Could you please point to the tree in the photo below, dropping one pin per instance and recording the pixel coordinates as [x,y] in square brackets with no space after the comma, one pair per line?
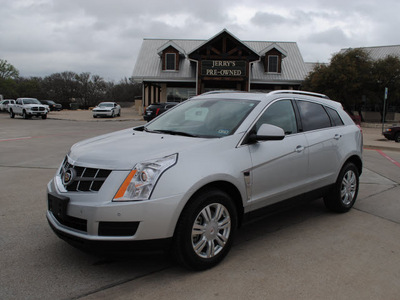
[126,90]
[7,70]
[385,73]
[31,87]
[346,79]
[61,87]
[8,74]
[92,89]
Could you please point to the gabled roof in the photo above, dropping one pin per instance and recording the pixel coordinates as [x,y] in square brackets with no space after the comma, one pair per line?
[224,31]
[148,65]
[171,43]
[273,46]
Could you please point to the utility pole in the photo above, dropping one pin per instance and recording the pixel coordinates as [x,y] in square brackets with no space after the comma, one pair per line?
[384,108]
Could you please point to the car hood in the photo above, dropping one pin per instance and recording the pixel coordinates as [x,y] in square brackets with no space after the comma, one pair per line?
[121,150]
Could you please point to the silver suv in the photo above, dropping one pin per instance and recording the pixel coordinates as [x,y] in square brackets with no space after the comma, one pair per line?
[186,180]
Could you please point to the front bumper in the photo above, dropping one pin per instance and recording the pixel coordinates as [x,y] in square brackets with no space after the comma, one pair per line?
[36,113]
[148,117]
[388,135]
[107,113]
[87,219]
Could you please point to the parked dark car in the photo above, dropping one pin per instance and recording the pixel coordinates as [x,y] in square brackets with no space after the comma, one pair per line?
[156,109]
[393,133]
[52,105]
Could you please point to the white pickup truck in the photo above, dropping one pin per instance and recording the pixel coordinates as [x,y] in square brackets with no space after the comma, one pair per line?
[27,108]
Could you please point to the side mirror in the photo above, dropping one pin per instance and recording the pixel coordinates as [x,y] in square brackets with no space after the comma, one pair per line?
[267,132]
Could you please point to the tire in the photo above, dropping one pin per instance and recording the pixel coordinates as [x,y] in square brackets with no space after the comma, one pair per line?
[44,117]
[112,114]
[344,194]
[12,115]
[24,115]
[397,137]
[205,230]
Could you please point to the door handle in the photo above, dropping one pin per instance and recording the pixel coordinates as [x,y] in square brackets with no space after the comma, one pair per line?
[299,148]
[337,136]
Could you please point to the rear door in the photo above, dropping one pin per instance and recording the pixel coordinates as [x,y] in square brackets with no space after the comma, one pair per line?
[324,140]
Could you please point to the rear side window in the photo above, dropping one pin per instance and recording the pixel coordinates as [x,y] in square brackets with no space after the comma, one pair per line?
[313,116]
[335,116]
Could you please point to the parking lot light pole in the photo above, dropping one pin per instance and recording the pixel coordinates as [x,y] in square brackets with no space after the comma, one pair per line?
[384,108]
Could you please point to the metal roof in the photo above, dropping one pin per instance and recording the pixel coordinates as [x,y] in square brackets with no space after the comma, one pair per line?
[379,52]
[148,65]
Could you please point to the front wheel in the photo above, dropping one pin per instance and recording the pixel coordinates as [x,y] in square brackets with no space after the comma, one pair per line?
[44,117]
[12,115]
[397,137]
[205,230]
[344,194]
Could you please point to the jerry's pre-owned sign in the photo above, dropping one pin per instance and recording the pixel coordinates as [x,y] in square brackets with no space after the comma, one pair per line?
[223,68]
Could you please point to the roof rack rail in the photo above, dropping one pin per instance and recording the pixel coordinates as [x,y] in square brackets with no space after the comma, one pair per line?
[299,93]
[222,91]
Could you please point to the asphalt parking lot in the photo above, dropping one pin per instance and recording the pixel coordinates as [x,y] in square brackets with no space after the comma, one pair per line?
[302,253]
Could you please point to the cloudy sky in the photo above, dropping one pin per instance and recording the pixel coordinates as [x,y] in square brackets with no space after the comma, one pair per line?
[103,37]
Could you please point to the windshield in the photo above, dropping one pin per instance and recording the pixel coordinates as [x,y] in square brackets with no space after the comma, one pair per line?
[106,105]
[203,118]
[31,101]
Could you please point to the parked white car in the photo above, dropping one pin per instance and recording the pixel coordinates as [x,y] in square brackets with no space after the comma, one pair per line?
[186,180]
[5,103]
[107,109]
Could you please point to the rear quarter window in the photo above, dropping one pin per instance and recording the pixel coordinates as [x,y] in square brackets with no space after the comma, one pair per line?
[337,120]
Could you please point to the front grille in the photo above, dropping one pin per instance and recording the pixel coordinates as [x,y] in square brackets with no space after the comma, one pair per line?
[38,108]
[118,228]
[84,179]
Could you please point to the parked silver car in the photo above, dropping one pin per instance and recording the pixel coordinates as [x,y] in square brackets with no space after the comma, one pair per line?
[186,180]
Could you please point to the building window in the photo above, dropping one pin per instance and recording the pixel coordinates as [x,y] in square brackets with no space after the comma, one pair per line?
[170,61]
[176,94]
[272,63]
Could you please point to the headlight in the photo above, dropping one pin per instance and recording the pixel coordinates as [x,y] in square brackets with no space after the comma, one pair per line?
[140,182]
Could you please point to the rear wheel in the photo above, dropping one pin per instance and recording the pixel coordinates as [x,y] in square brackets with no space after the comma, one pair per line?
[205,230]
[344,194]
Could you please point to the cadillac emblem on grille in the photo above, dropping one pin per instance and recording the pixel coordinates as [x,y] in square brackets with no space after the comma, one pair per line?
[68,176]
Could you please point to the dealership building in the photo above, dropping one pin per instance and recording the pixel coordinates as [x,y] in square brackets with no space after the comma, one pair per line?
[177,69]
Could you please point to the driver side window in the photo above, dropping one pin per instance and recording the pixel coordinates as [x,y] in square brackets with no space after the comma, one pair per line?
[281,114]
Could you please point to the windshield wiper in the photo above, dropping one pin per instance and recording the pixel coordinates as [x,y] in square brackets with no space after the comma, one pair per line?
[171,132]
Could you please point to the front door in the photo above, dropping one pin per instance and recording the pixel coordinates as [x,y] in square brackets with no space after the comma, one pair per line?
[279,167]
